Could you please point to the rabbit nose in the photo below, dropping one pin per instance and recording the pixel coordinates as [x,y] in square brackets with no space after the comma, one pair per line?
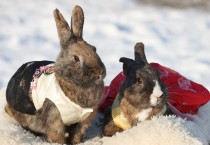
[103,73]
[159,97]
[100,77]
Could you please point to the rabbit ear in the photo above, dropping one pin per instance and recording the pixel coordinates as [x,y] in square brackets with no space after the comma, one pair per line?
[77,21]
[126,63]
[126,60]
[139,53]
[63,29]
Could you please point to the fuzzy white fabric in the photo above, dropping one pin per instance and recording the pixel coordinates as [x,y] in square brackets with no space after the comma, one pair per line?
[164,130]
[159,131]
[48,87]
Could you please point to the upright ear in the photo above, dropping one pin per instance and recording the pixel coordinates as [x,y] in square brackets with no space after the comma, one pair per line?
[126,63]
[77,21]
[63,29]
[139,53]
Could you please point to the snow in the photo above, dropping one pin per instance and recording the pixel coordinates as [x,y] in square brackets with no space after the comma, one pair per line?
[164,130]
[177,38]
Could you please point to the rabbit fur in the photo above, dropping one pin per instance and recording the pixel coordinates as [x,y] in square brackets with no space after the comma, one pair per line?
[141,96]
[78,71]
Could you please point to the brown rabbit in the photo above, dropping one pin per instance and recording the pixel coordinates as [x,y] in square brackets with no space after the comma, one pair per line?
[141,96]
[59,100]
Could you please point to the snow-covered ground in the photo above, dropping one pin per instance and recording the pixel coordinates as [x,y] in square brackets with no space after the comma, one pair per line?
[175,38]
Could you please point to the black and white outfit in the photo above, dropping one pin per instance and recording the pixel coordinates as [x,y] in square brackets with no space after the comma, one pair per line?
[33,83]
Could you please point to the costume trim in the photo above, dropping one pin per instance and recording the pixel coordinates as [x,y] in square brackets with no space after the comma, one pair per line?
[45,85]
[122,122]
[118,116]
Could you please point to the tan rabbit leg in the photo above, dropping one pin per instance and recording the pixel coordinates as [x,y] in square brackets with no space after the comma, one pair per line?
[76,134]
[41,122]
[110,129]
[56,134]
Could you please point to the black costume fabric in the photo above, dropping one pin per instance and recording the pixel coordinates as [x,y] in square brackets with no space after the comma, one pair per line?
[18,88]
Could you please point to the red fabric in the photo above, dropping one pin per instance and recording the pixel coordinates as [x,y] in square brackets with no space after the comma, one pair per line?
[111,91]
[184,94]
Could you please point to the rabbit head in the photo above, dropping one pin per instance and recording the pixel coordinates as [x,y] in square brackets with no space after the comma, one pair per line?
[142,87]
[78,61]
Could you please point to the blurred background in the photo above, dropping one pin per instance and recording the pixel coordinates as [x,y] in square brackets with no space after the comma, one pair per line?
[180,4]
[176,33]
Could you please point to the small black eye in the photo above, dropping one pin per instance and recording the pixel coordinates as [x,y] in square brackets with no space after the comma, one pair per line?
[139,80]
[76,58]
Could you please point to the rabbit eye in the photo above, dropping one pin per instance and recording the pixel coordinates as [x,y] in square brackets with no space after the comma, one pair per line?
[76,58]
[139,80]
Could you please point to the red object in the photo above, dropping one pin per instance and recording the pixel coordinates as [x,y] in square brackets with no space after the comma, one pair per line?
[111,91]
[185,95]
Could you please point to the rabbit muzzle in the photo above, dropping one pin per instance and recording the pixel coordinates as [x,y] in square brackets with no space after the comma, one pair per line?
[156,96]
[100,77]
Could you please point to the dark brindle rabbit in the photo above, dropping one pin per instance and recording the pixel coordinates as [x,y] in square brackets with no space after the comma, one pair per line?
[141,96]
[59,100]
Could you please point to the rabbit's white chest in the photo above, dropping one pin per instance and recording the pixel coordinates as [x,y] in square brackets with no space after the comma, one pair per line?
[47,87]
[144,114]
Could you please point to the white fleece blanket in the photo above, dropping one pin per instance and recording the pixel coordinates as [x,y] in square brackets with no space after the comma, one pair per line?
[164,130]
